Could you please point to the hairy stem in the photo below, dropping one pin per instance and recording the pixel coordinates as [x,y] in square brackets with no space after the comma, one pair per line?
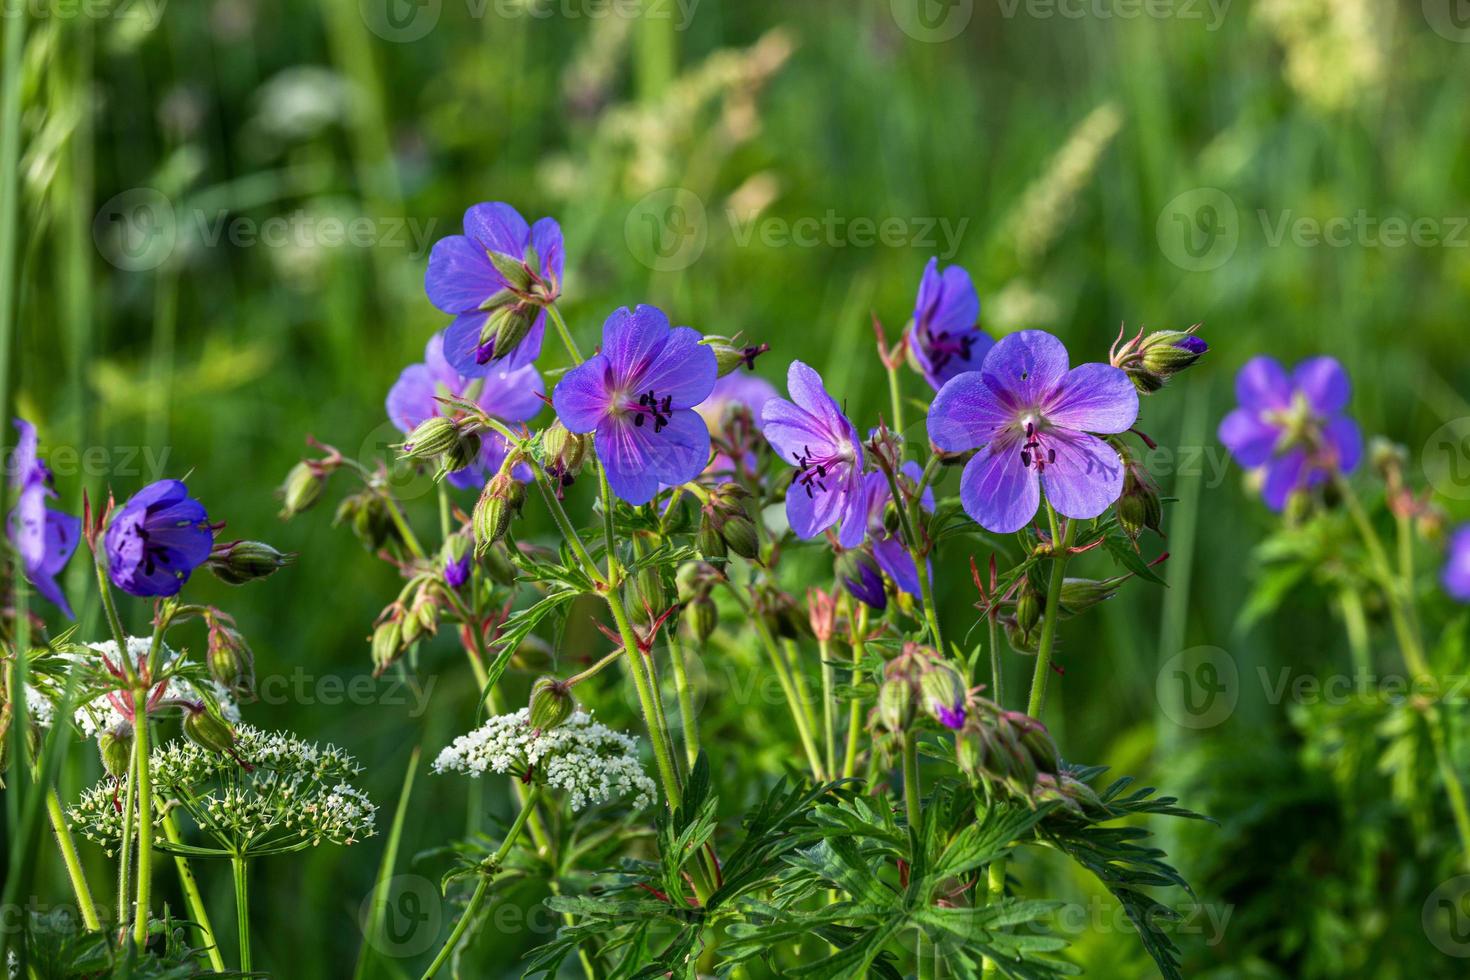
[73,864]
[686,697]
[145,814]
[192,897]
[829,705]
[855,705]
[240,870]
[1052,614]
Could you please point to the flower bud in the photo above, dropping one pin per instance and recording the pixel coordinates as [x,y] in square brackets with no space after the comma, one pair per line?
[302,488]
[943,691]
[565,451]
[704,617]
[551,703]
[1036,740]
[431,438]
[456,558]
[1021,641]
[115,746]
[499,501]
[1151,361]
[709,542]
[822,613]
[1028,607]
[506,327]
[244,561]
[366,513]
[511,269]
[208,731]
[387,643]
[230,659]
[695,578]
[1139,506]
[464,452]
[896,703]
[730,355]
[1081,594]
[739,535]
[862,577]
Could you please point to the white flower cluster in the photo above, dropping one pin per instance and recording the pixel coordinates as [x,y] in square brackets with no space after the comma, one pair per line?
[296,793]
[100,714]
[588,761]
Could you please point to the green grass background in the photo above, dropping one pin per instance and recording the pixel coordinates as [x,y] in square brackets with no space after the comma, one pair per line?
[224,357]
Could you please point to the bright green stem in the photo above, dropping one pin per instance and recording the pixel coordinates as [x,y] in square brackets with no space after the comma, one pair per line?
[662,755]
[855,706]
[686,697]
[995,890]
[911,790]
[791,657]
[405,530]
[916,551]
[482,887]
[145,814]
[242,908]
[895,399]
[798,713]
[109,606]
[73,864]
[829,705]
[1052,615]
[125,853]
[192,897]
[1355,620]
[565,334]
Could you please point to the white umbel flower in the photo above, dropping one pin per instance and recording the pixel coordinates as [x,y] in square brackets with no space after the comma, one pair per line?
[585,759]
[295,794]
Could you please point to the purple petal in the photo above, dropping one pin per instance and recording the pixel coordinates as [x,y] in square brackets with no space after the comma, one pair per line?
[868,587]
[806,388]
[684,370]
[1023,368]
[1094,398]
[1456,577]
[63,532]
[1262,384]
[497,227]
[1250,440]
[966,414]
[997,491]
[462,346]
[809,514]
[1284,475]
[1345,440]
[582,398]
[550,251]
[631,339]
[27,525]
[460,276]
[1324,383]
[1086,476]
[947,301]
[512,396]
[24,466]
[639,460]
[897,563]
[854,527]
[411,399]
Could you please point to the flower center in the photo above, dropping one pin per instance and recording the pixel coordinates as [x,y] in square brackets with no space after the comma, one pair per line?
[650,406]
[1035,454]
[944,347]
[812,470]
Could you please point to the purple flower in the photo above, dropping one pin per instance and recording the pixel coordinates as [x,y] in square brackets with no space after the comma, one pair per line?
[888,547]
[45,538]
[157,539]
[812,431]
[497,279]
[1456,576]
[951,717]
[1292,426]
[638,394]
[457,572]
[748,392]
[1030,416]
[945,339]
[862,577]
[508,395]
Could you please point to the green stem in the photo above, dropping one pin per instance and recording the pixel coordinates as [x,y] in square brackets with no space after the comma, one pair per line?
[73,864]
[995,890]
[916,552]
[798,713]
[482,887]
[895,399]
[1355,621]
[912,797]
[855,706]
[242,908]
[125,852]
[829,705]
[145,815]
[114,622]
[192,896]
[405,531]
[686,698]
[565,334]
[1052,615]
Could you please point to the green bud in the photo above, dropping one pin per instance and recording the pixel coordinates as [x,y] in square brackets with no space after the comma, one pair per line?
[1028,608]
[366,513]
[709,541]
[943,690]
[465,451]
[230,659]
[115,745]
[512,270]
[694,578]
[1139,507]
[1022,641]
[301,490]
[431,438]
[896,704]
[1081,594]
[650,585]
[704,617]
[387,644]
[244,561]
[506,327]
[551,703]
[731,356]
[499,502]
[739,534]
[1036,740]
[1167,352]
[208,731]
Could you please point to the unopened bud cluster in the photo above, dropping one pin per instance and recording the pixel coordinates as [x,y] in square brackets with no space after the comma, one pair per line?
[920,683]
[1150,361]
